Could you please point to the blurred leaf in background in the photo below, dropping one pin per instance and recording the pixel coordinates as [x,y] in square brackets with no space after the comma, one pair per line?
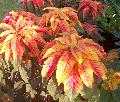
[7,6]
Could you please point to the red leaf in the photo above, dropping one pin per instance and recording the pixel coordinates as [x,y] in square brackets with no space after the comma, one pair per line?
[86,73]
[91,29]
[17,49]
[47,46]
[81,6]
[99,69]
[85,12]
[95,8]
[50,65]
[65,26]
[32,45]
[63,67]
[73,82]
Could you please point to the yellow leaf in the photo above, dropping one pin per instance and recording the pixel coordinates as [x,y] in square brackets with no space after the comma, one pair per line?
[77,54]
[92,54]
[8,38]
[6,33]
[7,54]
[6,43]
[53,49]
[63,68]
[6,26]
[73,40]
[3,48]
[46,66]
[86,73]
[14,47]
[20,22]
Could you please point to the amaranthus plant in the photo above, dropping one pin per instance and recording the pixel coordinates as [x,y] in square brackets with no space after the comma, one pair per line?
[49,59]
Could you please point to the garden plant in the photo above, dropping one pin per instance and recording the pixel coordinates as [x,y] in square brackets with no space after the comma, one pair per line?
[60,51]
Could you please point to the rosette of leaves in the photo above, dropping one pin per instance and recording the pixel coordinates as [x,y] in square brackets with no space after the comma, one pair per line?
[75,60]
[94,7]
[36,3]
[58,20]
[19,34]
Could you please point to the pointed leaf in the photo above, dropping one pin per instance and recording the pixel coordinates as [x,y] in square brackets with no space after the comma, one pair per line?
[50,65]
[77,54]
[86,73]
[85,12]
[8,38]
[32,45]
[53,49]
[6,26]
[73,83]
[99,69]
[52,89]
[63,68]
[6,33]
[17,49]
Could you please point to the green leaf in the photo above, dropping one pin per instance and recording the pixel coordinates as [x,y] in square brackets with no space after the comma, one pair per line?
[71,95]
[106,96]
[114,65]
[52,89]
[116,33]
[10,92]
[1,75]
[90,93]
[64,98]
[30,90]
[78,98]
[1,93]
[116,94]
[24,75]
[80,29]
[95,95]
[16,66]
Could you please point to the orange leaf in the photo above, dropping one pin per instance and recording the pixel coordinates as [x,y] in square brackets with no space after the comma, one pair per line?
[99,69]
[73,82]
[50,65]
[55,48]
[32,45]
[86,73]
[77,54]
[17,49]
[63,68]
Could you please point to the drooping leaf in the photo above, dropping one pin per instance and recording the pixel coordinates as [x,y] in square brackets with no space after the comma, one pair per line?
[52,89]
[105,96]
[86,73]
[90,93]
[20,31]
[63,67]
[75,63]
[17,49]
[59,20]
[78,55]
[99,69]
[73,83]
[96,8]
[50,65]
